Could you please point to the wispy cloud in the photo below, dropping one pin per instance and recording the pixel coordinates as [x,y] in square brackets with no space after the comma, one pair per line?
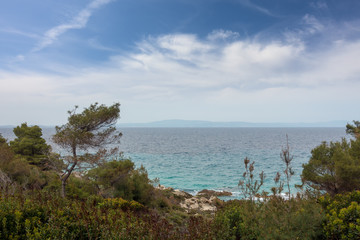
[319,5]
[249,4]
[21,33]
[77,22]
[308,26]
[94,43]
[313,24]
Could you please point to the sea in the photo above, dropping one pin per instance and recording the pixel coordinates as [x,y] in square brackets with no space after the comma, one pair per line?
[192,159]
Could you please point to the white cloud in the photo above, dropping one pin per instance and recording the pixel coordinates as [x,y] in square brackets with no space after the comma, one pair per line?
[181,46]
[77,22]
[221,34]
[184,76]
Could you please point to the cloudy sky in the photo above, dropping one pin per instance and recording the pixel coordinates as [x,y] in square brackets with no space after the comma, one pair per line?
[216,60]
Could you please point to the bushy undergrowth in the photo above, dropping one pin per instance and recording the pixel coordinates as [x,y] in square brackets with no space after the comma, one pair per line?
[42,216]
[342,215]
[30,215]
[274,218]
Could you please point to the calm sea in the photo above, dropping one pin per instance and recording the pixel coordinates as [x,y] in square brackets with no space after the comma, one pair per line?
[193,159]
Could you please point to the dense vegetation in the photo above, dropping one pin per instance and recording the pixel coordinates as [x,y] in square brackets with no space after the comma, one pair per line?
[94,193]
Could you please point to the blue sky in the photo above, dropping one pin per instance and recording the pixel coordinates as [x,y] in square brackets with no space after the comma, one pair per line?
[216,60]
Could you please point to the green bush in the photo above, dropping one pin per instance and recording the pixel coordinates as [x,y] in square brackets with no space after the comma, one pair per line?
[41,215]
[342,215]
[119,178]
[114,203]
[274,218]
[20,217]
[297,218]
[238,220]
[79,188]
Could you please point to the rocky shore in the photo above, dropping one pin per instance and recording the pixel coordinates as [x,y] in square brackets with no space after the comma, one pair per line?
[204,201]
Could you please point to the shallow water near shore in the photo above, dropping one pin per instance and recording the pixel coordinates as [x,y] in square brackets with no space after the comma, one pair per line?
[192,159]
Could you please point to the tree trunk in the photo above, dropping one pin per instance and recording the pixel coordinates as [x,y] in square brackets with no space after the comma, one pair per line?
[63,185]
[65,178]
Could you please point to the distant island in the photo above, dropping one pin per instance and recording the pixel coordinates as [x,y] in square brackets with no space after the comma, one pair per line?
[209,124]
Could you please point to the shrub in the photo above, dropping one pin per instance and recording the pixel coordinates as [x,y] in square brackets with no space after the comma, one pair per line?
[238,220]
[342,215]
[114,203]
[274,218]
[119,178]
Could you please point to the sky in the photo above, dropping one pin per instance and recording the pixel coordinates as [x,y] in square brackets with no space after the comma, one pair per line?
[215,60]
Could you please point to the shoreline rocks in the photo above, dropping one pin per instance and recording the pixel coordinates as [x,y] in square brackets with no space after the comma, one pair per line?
[206,192]
[200,204]
[179,193]
[204,201]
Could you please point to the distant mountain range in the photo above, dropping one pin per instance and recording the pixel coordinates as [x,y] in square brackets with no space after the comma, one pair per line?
[209,124]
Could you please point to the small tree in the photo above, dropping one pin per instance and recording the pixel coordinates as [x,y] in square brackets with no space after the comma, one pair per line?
[86,138]
[287,158]
[29,141]
[248,185]
[334,167]
[31,145]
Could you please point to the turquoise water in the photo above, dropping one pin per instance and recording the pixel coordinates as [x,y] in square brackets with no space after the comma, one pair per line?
[193,159]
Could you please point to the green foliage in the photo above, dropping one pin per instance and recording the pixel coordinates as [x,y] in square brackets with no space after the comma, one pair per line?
[6,153]
[43,216]
[275,218]
[114,203]
[19,218]
[342,215]
[237,221]
[29,141]
[90,132]
[353,130]
[91,128]
[31,171]
[28,176]
[2,140]
[79,187]
[334,167]
[119,178]
[17,171]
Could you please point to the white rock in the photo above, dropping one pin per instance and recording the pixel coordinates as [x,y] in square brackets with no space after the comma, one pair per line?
[177,192]
[201,204]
